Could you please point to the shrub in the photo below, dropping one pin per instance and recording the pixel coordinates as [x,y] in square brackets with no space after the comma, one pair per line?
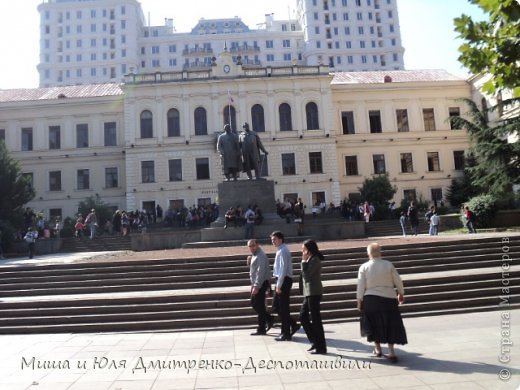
[484,207]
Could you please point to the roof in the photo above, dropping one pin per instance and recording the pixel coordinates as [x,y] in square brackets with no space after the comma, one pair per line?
[73,91]
[394,76]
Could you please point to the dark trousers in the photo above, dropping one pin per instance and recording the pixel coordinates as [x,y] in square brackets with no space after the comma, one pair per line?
[310,318]
[281,304]
[31,249]
[258,304]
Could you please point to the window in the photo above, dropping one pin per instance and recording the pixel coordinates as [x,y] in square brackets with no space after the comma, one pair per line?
[146,124]
[110,133]
[29,177]
[83,179]
[55,214]
[269,44]
[175,169]
[402,120]
[229,116]
[201,125]
[82,135]
[406,163]
[351,166]
[458,159]
[374,117]
[27,139]
[409,195]
[454,112]
[429,119]
[147,171]
[285,117]
[379,164]
[315,162]
[347,122]
[2,134]
[436,194]
[311,112]
[174,126]
[54,137]
[257,117]
[433,161]
[111,179]
[288,164]
[55,181]
[202,168]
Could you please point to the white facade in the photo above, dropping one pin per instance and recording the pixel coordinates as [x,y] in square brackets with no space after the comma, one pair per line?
[100,41]
[163,153]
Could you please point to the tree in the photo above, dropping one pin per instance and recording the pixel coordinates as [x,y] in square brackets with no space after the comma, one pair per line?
[462,189]
[379,192]
[493,47]
[17,189]
[497,162]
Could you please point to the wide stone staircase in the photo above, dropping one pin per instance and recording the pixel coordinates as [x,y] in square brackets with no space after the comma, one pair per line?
[208,293]
[98,244]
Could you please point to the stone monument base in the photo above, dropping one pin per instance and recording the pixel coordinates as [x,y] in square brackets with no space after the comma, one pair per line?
[243,193]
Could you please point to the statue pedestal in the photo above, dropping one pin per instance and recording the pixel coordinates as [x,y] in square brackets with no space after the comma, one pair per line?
[246,192]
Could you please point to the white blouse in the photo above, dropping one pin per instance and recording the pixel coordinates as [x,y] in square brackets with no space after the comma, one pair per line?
[378,277]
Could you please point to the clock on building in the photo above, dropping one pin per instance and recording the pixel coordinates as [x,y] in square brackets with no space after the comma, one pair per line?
[227,68]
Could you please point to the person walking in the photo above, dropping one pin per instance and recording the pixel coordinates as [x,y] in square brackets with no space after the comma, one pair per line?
[30,238]
[469,217]
[434,224]
[250,216]
[312,290]
[377,302]
[92,223]
[402,221]
[413,217]
[283,274]
[260,283]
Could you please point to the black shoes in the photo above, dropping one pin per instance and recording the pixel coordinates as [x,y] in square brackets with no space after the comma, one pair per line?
[257,333]
[295,329]
[283,338]
[319,352]
[312,348]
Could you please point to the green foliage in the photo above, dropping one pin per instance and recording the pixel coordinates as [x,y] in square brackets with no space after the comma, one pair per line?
[485,208]
[377,190]
[492,46]
[462,189]
[7,231]
[16,189]
[67,229]
[497,162]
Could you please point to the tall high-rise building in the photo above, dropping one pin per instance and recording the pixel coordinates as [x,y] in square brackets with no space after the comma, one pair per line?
[96,41]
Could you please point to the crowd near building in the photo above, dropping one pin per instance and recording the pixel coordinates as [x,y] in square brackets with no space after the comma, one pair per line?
[130,114]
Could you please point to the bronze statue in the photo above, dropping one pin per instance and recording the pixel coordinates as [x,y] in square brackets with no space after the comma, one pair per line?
[229,150]
[250,147]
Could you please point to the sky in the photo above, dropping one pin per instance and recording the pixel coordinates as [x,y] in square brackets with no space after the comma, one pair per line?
[426,30]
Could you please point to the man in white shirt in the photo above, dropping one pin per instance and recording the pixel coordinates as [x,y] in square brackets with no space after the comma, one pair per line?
[283,274]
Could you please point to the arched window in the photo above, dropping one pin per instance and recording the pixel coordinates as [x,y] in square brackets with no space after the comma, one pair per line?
[201,123]
[311,111]
[174,125]
[285,117]
[230,117]
[257,117]
[146,124]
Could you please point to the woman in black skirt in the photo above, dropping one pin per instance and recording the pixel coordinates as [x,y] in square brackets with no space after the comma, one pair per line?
[377,301]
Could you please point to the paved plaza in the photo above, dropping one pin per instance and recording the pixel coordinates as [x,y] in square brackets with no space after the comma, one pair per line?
[459,351]
[463,351]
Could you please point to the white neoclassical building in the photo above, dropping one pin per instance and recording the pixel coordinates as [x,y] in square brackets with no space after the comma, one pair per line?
[99,41]
[151,140]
